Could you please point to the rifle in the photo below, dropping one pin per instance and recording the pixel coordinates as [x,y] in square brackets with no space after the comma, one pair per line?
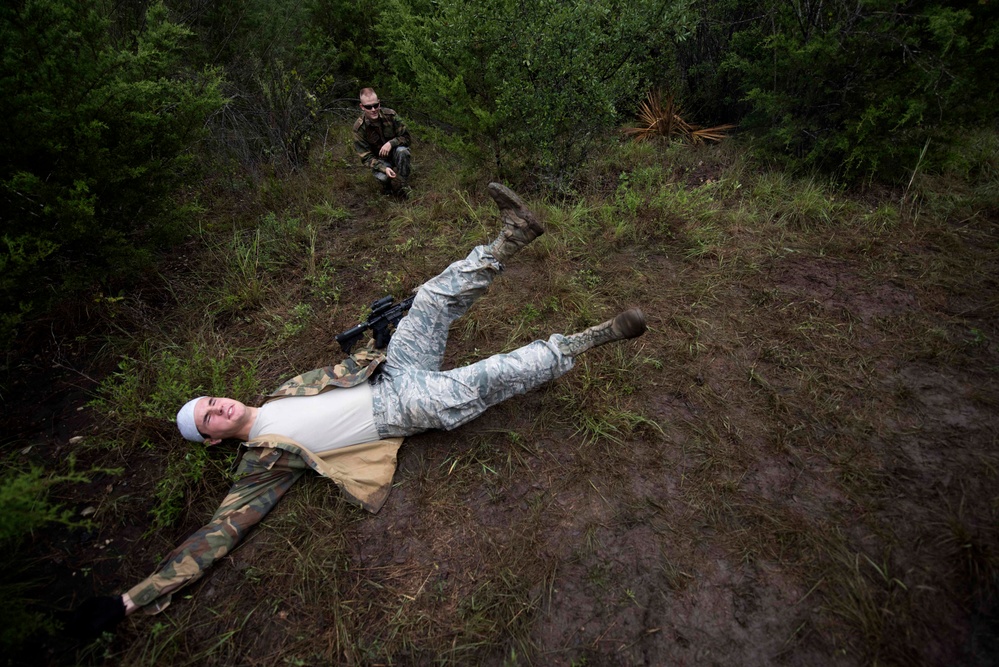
[384,317]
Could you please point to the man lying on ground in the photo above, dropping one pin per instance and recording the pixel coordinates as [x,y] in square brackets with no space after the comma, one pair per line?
[351,435]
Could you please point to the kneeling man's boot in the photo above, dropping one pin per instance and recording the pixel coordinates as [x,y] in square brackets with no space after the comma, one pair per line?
[629,324]
[520,227]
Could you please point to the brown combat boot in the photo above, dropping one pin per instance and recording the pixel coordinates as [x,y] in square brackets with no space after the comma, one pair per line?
[520,227]
[628,324]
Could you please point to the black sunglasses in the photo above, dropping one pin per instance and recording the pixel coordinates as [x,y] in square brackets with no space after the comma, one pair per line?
[371,107]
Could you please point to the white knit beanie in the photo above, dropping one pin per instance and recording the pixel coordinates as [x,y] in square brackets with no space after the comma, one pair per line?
[185,421]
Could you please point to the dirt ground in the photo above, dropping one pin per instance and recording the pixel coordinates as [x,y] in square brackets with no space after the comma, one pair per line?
[813,482]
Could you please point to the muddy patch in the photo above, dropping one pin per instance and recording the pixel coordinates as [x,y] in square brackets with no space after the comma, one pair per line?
[840,286]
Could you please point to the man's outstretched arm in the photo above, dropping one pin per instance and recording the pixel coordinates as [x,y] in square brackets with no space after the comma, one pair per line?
[263,477]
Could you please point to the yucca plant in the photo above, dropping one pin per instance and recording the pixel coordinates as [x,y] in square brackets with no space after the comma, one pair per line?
[660,116]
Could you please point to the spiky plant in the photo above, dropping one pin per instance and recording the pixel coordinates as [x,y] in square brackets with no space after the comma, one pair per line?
[660,116]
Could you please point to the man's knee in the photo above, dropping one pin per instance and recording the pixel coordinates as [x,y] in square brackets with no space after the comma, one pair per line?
[381,177]
[401,158]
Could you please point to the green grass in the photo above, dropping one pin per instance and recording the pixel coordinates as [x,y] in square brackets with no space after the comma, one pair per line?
[800,445]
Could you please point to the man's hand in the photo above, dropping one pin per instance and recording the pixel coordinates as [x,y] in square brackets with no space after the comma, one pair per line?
[386,149]
[390,172]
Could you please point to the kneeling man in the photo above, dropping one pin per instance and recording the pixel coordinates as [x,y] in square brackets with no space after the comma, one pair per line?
[382,142]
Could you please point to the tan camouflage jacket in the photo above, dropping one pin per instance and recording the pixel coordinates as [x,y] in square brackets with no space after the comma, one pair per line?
[371,135]
[363,472]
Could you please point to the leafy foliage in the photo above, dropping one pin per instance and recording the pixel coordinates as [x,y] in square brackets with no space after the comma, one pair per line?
[529,84]
[25,507]
[284,70]
[95,139]
[851,87]
[185,469]
[24,504]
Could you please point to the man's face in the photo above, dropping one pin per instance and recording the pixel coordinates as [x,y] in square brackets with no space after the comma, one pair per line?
[219,418]
[370,106]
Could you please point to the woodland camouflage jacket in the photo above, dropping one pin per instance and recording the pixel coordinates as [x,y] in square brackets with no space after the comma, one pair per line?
[268,468]
[363,472]
[371,135]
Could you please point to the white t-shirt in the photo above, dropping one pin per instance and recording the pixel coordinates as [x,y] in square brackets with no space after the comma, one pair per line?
[336,418]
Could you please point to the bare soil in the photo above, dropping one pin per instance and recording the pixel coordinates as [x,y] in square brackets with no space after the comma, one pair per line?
[820,487]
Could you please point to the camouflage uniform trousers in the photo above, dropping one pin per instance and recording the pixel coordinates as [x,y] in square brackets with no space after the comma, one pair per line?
[398,159]
[412,394]
[262,478]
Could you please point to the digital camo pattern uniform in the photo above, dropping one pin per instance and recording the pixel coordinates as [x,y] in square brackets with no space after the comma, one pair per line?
[371,135]
[412,394]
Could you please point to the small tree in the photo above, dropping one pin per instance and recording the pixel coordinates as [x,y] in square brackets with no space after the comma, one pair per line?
[286,64]
[95,139]
[851,87]
[528,84]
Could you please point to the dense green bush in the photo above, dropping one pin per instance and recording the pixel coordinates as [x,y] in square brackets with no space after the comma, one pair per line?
[97,124]
[24,507]
[856,88]
[24,504]
[530,85]
[286,65]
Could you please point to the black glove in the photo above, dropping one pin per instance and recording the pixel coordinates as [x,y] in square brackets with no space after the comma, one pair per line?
[97,615]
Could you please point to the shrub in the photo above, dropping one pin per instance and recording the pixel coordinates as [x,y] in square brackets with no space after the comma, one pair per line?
[97,126]
[24,503]
[855,88]
[284,67]
[25,507]
[528,85]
